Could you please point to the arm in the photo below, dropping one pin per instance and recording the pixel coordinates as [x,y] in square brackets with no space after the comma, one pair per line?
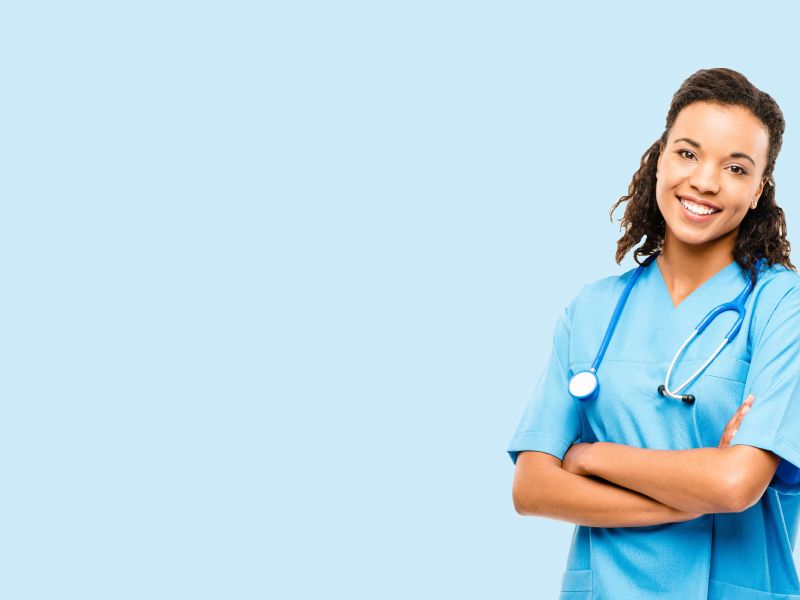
[700,480]
[541,487]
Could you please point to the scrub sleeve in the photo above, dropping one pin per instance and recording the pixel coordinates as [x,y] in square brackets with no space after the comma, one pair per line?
[773,422]
[719,556]
[550,422]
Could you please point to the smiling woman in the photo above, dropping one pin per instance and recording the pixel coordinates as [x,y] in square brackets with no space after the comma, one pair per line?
[689,166]
[718,150]
[680,500]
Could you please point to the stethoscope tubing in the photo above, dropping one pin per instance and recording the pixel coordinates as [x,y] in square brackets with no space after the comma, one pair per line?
[585,384]
[737,305]
[612,324]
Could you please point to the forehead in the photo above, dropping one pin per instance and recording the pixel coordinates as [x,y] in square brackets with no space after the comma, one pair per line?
[722,129]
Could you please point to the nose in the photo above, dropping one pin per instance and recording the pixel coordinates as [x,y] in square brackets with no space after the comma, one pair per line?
[705,178]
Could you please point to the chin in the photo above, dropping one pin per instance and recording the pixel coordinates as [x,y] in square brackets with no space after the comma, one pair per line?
[695,238]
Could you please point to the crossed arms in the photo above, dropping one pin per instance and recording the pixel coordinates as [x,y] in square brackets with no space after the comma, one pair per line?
[639,486]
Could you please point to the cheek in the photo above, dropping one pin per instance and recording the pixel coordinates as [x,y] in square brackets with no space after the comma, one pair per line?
[669,177]
[663,193]
[741,198]
[740,213]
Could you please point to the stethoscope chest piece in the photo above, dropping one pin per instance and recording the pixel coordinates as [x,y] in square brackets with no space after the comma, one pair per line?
[583,385]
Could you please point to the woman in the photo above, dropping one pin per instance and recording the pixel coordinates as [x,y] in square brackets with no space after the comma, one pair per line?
[681,491]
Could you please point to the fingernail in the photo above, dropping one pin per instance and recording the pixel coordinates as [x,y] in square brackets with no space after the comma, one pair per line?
[733,433]
[745,409]
[749,400]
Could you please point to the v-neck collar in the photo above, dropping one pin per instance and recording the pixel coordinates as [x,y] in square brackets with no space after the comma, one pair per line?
[733,267]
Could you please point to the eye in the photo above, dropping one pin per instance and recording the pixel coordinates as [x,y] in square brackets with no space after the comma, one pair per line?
[737,170]
[684,153]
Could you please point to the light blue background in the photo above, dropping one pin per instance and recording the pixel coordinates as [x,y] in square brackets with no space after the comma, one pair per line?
[278,282]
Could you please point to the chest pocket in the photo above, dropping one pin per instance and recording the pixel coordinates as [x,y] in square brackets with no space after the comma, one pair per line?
[720,392]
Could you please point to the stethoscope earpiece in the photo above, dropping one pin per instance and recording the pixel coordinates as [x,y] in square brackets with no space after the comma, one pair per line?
[687,398]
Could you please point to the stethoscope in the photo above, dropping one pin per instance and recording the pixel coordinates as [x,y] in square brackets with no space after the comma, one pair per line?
[584,384]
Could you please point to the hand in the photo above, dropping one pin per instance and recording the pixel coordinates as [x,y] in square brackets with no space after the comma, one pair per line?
[572,460]
[733,425]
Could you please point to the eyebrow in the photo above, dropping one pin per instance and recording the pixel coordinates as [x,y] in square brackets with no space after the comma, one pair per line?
[733,154]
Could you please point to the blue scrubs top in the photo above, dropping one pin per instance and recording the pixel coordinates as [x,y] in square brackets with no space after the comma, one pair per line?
[739,556]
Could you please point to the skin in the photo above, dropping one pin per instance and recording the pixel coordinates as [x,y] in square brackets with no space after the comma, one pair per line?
[640,486]
[693,252]
[701,480]
[704,169]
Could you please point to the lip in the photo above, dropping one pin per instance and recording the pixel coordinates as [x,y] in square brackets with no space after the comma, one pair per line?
[690,215]
[700,202]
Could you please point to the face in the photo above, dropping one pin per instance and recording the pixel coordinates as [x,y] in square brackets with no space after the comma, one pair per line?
[709,172]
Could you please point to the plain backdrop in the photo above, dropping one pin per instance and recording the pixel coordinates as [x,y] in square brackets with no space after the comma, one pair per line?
[279,278]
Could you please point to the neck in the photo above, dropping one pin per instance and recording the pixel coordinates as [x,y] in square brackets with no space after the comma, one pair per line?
[686,266]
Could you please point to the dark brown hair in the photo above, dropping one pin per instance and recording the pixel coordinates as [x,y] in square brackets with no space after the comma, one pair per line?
[762,232]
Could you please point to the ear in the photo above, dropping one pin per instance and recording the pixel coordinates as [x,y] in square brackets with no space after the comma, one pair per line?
[757,195]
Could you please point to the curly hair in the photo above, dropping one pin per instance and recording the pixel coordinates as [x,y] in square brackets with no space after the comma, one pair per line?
[762,232]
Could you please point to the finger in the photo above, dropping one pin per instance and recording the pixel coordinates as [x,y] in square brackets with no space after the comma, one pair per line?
[730,429]
[736,420]
[743,410]
[727,437]
[746,404]
[733,423]
[725,440]
[730,436]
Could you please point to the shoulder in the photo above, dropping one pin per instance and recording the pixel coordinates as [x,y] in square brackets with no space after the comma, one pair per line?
[776,297]
[597,294]
[775,285]
[605,287]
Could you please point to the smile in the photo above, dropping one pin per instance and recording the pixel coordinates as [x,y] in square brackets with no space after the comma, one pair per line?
[697,210]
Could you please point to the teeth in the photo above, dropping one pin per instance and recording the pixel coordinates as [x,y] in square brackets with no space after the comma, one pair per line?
[697,208]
